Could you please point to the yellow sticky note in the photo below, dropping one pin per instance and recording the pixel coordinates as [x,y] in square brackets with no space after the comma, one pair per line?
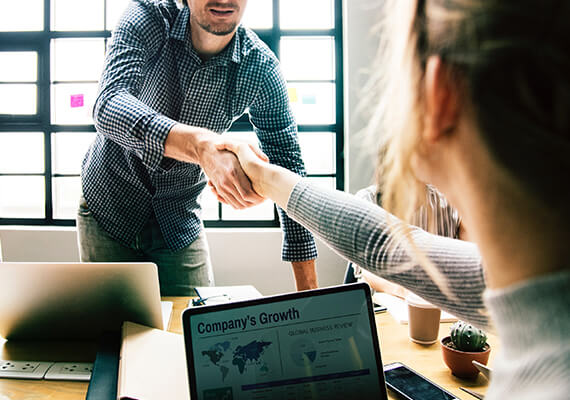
[293,95]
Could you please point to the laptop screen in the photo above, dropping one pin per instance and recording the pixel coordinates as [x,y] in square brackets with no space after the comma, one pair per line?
[319,344]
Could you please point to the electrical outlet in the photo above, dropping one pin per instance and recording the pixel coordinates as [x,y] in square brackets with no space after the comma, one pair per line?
[23,369]
[64,371]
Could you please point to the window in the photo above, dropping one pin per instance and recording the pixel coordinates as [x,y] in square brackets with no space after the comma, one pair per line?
[51,58]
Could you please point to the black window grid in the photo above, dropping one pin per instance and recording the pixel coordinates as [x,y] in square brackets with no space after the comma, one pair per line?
[40,42]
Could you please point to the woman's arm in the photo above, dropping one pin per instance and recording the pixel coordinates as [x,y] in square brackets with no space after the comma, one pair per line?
[374,239]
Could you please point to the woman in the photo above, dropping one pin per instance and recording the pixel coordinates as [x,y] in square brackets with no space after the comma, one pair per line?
[485,91]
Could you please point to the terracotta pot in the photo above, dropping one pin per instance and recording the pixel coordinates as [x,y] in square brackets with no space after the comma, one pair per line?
[459,362]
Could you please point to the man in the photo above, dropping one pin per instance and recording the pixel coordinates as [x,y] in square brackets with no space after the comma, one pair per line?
[174,78]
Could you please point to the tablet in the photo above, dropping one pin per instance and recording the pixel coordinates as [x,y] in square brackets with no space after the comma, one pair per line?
[317,344]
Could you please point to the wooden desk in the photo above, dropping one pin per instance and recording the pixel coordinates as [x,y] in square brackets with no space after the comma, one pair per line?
[427,360]
[394,344]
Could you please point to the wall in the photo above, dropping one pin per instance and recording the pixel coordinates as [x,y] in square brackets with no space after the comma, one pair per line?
[239,256]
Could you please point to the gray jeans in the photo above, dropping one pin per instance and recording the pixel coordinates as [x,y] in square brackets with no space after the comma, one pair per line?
[178,271]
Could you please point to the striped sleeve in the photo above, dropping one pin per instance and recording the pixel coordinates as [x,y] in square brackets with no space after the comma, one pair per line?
[367,235]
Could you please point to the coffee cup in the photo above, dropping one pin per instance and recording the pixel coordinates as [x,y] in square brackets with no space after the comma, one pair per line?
[423,320]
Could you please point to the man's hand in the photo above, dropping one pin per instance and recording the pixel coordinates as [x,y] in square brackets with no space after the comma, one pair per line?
[268,180]
[252,160]
[305,274]
[226,176]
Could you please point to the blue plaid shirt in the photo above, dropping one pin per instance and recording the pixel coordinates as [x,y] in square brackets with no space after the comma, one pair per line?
[154,78]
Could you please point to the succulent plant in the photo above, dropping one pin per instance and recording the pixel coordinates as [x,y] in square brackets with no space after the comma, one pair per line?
[466,337]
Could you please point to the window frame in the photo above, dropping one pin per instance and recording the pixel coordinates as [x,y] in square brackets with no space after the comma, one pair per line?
[40,42]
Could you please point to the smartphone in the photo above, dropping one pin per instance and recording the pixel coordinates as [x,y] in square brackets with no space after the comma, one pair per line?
[410,385]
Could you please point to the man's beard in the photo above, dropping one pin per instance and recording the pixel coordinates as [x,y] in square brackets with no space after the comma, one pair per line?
[226,29]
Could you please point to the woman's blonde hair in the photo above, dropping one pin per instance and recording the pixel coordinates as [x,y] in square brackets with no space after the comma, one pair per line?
[513,57]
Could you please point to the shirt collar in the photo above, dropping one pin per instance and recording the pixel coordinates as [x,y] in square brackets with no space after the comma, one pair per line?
[232,51]
[235,46]
[180,31]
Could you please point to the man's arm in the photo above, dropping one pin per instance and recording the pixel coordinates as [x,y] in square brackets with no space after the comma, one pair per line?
[123,118]
[118,113]
[305,274]
[276,129]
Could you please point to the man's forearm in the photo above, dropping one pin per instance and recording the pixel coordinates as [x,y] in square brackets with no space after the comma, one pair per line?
[183,143]
[305,274]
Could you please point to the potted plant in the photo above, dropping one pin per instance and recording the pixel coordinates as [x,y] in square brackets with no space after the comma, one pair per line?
[465,344]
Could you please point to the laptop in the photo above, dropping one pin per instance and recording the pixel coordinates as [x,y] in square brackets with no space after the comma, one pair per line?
[317,344]
[76,300]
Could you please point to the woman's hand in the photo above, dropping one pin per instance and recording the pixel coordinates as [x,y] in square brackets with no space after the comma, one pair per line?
[253,161]
[225,174]
[269,181]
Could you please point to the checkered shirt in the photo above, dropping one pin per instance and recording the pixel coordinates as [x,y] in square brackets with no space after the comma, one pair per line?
[154,78]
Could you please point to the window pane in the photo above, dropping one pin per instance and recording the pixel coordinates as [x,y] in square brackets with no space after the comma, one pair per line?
[21,152]
[77,59]
[18,16]
[22,197]
[313,103]
[258,14]
[303,14]
[115,9]
[263,212]
[18,66]
[249,137]
[66,192]
[69,148]
[209,204]
[327,183]
[77,15]
[304,58]
[18,99]
[73,103]
[318,150]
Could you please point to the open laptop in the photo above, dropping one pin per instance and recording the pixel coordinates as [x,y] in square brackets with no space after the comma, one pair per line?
[317,344]
[76,300]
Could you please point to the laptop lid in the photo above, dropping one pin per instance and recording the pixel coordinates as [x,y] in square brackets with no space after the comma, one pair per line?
[317,344]
[76,300]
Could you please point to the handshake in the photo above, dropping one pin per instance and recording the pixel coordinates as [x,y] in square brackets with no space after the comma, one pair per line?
[253,177]
[239,173]
[239,179]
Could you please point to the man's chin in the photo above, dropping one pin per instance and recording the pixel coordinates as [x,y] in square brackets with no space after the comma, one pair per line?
[220,30]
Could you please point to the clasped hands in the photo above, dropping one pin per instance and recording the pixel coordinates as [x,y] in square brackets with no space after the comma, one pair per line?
[238,179]
[237,183]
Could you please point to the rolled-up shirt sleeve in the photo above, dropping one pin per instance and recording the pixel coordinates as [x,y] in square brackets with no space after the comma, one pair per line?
[119,113]
[276,129]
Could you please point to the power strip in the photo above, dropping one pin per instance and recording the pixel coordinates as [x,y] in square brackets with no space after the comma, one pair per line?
[64,371]
[24,369]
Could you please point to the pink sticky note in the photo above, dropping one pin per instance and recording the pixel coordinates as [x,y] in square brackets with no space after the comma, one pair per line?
[76,100]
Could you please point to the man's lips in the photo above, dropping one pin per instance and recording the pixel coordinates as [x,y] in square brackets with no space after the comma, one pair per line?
[222,12]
